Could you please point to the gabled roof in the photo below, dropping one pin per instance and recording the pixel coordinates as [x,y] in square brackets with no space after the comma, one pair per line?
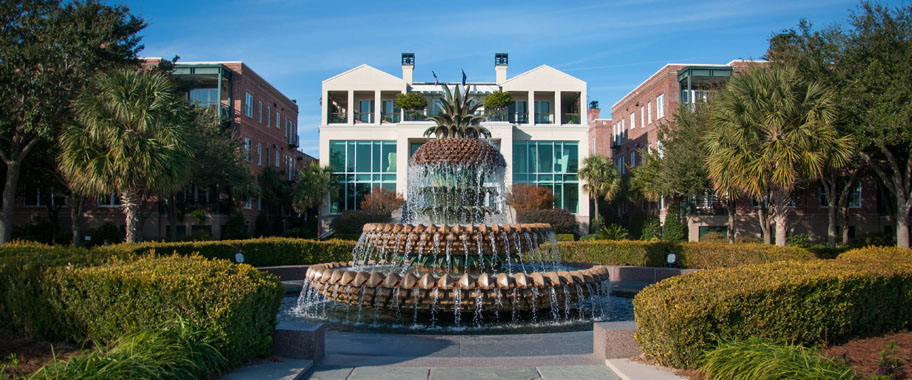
[366,77]
[543,78]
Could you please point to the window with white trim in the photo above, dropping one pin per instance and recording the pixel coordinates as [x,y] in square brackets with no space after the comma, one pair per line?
[260,111]
[278,120]
[633,123]
[260,154]
[268,119]
[248,145]
[660,106]
[649,112]
[642,117]
[277,162]
[111,200]
[633,159]
[248,204]
[248,105]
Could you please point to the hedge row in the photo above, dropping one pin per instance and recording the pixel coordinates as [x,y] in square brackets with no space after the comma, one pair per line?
[257,252]
[290,251]
[866,291]
[59,293]
[689,255]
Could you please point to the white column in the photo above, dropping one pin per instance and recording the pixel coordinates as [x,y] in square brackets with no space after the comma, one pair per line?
[351,107]
[377,107]
[557,108]
[324,118]
[530,108]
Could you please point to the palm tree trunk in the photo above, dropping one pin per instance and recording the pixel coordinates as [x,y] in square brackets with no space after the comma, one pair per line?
[845,224]
[902,224]
[13,168]
[132,202]
[764,224]
[781,224]
[831,225]
[75,202]
[596,220]
[731,221]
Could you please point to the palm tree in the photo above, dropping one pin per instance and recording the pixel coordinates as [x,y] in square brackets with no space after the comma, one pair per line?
[314,183]
[602,181]
[772,130]
[457,117]
[129,139]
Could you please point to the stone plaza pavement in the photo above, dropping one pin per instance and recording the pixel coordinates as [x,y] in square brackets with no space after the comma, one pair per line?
[360,356]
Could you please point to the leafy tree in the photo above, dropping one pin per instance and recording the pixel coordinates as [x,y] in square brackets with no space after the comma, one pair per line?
[526,196]
[277,195]
[130,139]
[381,201]
[48,51]
[877,74]
[496,102]
[602,180]
[812,54]
[652,229]
[457,118]
[771,129]
[411,102]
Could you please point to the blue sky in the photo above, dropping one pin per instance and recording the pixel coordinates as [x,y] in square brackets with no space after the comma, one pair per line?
[613,45]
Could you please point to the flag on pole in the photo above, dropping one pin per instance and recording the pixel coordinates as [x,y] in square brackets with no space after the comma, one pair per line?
[463,78]
[436,83]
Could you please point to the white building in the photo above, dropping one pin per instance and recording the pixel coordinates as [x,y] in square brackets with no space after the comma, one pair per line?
[368,141]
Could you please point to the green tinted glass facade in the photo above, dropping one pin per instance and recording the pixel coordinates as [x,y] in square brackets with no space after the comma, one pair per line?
[552,164]
[358,167]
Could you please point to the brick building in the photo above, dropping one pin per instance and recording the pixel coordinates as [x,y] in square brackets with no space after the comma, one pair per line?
[633,129]
[264,119]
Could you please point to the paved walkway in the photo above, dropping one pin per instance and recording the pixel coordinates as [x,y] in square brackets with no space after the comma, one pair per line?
[365,356]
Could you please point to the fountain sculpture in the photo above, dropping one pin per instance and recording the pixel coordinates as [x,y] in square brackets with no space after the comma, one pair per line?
[458,251]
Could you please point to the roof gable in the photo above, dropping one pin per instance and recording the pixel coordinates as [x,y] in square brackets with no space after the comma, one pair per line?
[364,77]
[544,78]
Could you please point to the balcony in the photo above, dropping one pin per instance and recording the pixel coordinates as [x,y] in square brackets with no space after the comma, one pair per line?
[364,117]
[499,115]
[338,118]
[544,118]
[293,141]
[519,118]
[570,118]
[390,117]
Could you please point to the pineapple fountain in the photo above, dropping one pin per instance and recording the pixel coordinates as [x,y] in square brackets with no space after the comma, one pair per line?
[457,254]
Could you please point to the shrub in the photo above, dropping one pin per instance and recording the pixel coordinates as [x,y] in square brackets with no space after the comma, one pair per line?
[107,233]
[689,255]
[806,303]
[233,305]
[717,237]
[174,353]
[257,252]
[410,101]
[799,240]
[24,305]
[611,232]
[527,196]
[561,221]
[759,359]
[565,237]
[353,221]
[236,228]
[674,228]
[652,229]
[381,201]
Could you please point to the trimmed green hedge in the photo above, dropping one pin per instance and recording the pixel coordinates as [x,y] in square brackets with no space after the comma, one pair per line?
[689,255]
[257,252]
[866,291]
[235,305]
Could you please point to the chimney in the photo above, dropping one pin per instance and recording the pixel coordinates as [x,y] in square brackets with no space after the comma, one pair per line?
[500,67]
[594,111]
[408,66]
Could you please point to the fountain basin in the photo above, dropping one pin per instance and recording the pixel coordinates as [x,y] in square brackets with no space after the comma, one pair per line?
[344,282]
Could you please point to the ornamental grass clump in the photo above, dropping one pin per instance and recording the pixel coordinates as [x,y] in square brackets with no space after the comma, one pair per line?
[760,359]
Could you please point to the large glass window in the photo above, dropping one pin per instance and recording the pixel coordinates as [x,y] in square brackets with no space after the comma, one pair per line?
[552,164]
[359,167]
[203,97]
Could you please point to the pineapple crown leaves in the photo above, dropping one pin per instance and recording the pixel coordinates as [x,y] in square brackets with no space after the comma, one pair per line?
[457,118]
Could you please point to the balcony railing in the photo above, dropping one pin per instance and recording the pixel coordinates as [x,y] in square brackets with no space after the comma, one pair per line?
[544,118]
[499,115]
[415,116]
[364,117]
[393,117]
[338,118]
[519,118]
[570,118]
[293,140]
